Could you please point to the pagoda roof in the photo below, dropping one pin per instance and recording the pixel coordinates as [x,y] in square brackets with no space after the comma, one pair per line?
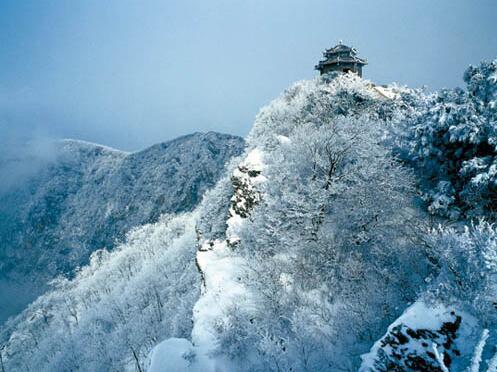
[340,48]
[347,59]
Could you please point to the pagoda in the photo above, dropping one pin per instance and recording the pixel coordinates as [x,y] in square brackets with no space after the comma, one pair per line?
[341,58]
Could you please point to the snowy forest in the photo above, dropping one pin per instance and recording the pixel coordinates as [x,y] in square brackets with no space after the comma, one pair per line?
[353,232]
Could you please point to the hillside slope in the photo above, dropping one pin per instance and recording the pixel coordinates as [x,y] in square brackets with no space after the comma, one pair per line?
[89,196]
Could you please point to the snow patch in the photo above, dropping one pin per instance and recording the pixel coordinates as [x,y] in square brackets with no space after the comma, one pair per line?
[385,92]
[178,355]
[223,287]
[410,340]
[284,140]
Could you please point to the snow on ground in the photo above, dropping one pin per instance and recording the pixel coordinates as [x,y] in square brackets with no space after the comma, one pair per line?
[254,160]
[222,270]
[385,92]
[412,339]
[178,355]
[223,288]
[284,140]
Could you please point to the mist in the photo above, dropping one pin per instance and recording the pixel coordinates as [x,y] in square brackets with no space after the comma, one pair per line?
[23,155]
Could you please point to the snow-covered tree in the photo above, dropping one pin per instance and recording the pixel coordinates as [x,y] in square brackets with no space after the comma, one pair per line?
[452,143]
[116,309]
[324,243]
[468,269]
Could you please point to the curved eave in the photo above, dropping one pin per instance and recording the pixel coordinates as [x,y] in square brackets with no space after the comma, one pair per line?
[340,48]
[337,63]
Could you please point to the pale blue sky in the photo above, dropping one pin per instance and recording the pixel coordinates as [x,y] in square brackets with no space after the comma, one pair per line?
[131,73]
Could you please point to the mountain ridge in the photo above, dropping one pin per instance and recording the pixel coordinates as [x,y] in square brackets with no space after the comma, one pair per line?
[88,196]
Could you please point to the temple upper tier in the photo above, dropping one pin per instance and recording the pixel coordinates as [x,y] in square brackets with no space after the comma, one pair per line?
[341,58]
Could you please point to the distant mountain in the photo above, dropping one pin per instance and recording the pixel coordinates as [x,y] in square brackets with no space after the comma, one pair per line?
[89,196]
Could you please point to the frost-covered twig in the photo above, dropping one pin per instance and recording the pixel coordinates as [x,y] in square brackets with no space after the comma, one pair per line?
[476,360]
[492,364]
[439,358]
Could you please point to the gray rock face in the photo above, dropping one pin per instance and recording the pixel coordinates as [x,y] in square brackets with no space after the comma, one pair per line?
[89,196]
